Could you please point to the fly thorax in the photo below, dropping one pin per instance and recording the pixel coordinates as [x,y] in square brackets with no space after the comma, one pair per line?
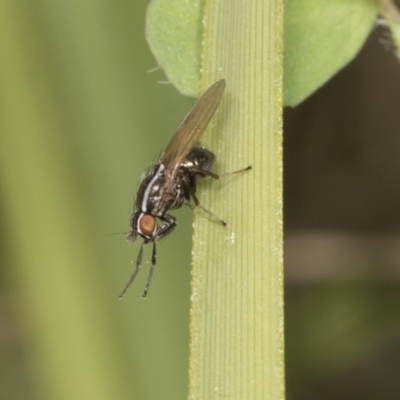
[151,190]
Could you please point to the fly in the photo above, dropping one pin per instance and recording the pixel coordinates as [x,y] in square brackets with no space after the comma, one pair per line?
[172,181]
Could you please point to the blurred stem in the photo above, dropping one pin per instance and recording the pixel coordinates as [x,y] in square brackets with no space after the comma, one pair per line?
[237,286]
[389,11]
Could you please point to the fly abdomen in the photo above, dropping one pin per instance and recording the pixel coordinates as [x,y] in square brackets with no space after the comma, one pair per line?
[199,159]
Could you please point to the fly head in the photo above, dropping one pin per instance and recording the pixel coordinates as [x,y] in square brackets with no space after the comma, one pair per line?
[144,225]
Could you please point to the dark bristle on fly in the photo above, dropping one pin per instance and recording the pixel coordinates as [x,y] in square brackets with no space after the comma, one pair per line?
[171,182]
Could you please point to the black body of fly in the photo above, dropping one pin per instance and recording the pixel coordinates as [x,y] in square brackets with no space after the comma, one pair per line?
[172,182]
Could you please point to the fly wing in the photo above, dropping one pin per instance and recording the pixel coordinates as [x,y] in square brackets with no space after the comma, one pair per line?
[192,126]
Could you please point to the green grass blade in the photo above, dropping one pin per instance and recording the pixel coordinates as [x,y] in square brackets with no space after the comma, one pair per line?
[236,313]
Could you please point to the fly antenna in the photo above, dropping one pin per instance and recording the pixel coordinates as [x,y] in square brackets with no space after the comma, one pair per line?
[117,233]
[153,70]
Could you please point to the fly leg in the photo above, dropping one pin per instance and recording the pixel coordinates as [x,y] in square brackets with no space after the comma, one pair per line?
[216,176]
[169,224]
[190,192]
[190,188]
[249,167]
[135,272]
[197,203]
[153,265]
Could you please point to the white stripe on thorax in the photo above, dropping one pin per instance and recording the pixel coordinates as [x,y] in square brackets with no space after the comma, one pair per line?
[149,187]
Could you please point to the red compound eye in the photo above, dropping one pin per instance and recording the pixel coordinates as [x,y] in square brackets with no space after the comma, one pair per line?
[147,224]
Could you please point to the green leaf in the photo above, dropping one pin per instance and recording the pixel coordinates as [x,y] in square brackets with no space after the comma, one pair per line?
[321,37]
[173,31]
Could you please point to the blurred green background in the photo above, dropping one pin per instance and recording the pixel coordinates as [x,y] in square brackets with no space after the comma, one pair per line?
[342,240]
[81,119]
